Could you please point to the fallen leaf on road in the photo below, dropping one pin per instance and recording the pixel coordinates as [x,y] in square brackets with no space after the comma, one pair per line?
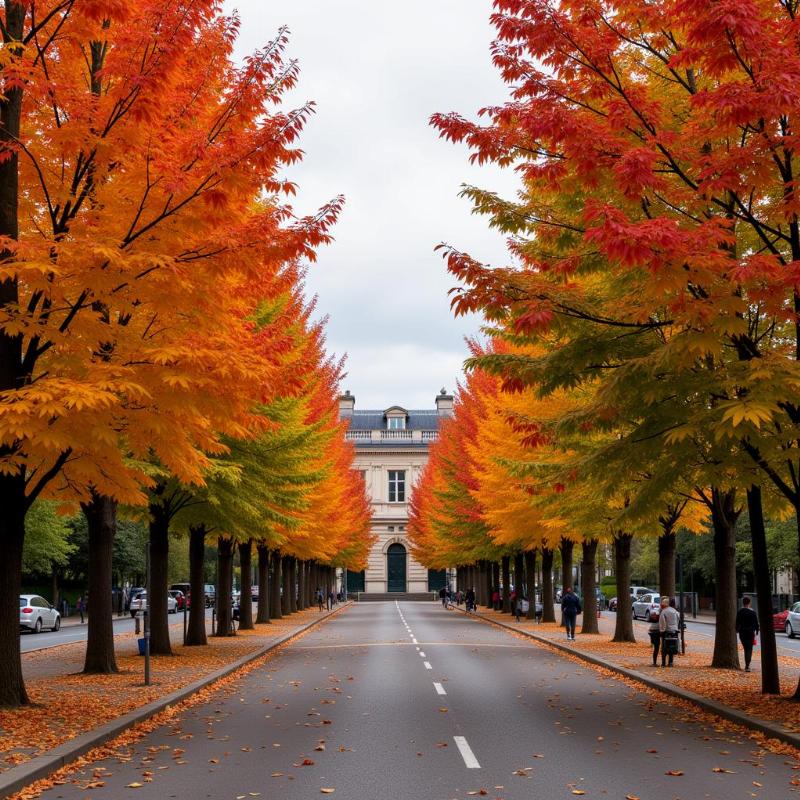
[134,785]
[722,769]
[442,709]
[578,791]
[675,772]
[277,774]
[320,747]
[327,790]
[631,797]
[651,750]
[479,791]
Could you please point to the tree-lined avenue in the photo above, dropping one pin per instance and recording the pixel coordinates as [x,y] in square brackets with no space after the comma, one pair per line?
[494,712]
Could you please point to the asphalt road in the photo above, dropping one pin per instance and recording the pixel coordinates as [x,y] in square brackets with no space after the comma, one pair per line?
[412,702]
[77,633]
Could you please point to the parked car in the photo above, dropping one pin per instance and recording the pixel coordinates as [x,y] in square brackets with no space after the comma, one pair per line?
[793,621]
[36,613]
[779,621]
[210,593]
[254,592]
[180,599]
[612,604]
[638,591]
[645,605]
[140,604]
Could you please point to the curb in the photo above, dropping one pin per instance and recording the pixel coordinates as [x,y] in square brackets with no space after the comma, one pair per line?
[17,778]
[770,729]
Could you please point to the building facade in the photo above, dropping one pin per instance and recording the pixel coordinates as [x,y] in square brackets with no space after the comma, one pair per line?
[391,450]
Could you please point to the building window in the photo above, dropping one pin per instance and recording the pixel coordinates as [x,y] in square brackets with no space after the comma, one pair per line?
[396,423]
[397,486]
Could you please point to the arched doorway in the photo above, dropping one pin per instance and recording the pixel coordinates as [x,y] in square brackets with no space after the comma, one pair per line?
[396,568]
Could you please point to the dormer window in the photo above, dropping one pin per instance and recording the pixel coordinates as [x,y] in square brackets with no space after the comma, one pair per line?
[395,418]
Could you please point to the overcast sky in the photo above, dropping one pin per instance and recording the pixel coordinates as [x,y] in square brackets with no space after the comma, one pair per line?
[377,71]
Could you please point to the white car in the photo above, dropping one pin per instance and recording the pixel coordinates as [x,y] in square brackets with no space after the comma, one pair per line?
[793,621]
[645,605]
[139,603]
[36,613]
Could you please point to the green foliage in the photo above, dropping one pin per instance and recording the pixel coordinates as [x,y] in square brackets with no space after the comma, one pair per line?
[47,544]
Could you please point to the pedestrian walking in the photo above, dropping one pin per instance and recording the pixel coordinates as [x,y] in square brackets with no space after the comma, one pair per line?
[320,599]
[330,599]
[570,608]
[669,621]
[655,635]
[81,607]
[469,599]
[459,597]
[747,628]
[443,596]
[496,599]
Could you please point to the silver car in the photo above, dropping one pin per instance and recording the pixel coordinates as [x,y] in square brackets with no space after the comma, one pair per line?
[36,613]
[793,621]
[139,603]
[645,605]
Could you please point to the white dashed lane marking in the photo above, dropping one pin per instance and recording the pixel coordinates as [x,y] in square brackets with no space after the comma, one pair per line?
[422,655]
[439,688]
[428,665]
[466,752]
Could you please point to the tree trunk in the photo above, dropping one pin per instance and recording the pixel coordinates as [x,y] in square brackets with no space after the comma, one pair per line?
[101,520]
[286,572]
[292,585]
[13,502]
[506,596]
[666,564]
[567,548]
[588,572]
[277,583]
[301,580]
[224,587]
[530,582]
[623,630]
[246,595]
[196,629]
[12,535]
[519,575]
[724,517]
[770,678]
[262,614]
[159,581]
[548,596]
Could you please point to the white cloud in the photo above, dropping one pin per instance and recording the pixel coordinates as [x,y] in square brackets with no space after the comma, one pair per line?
[377,71]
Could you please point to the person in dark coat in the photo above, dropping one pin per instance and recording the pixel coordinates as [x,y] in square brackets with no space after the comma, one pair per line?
[470,599]
[570,608]
[747,628]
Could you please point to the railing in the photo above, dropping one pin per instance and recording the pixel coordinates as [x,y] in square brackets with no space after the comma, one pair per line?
[386,435]
[396,434]
[359,435]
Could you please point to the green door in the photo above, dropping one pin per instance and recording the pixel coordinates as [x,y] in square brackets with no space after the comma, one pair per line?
[396,568]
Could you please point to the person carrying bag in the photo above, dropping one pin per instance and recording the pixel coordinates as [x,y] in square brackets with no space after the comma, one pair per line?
[668,622]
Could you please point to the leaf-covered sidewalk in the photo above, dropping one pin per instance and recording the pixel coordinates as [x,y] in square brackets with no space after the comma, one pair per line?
[739,690]
[65,703]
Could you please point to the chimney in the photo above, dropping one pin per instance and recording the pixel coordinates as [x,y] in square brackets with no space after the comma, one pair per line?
[347,403]
[444,404]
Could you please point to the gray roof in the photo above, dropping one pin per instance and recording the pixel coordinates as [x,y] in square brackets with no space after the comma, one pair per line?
[417,420]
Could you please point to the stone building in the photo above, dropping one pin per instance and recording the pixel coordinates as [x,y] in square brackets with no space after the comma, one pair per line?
[391,450]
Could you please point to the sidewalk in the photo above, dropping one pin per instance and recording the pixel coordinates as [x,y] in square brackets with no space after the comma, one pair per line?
[733,695]
[68,707]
